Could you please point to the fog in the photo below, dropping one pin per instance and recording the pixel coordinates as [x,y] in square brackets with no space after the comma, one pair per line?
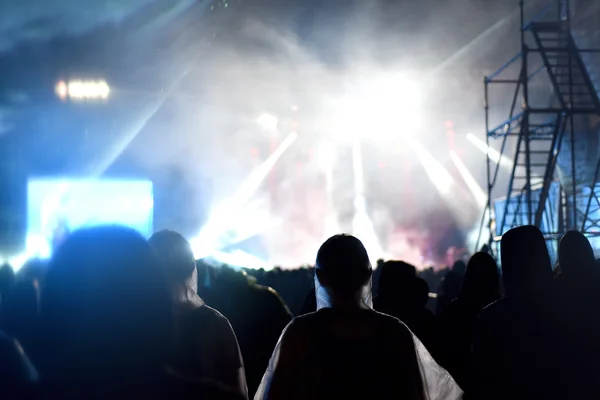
[298,61]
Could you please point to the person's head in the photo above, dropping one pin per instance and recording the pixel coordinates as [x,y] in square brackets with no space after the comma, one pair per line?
[421,289]
[105,307]
[459,267]
[343,266]
[393,278]
[575,255]
[481,283]
[526,265]
[451,284]
[230,279]
[175,255]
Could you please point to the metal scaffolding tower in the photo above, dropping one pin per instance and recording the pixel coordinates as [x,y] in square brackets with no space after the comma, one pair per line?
[553,97]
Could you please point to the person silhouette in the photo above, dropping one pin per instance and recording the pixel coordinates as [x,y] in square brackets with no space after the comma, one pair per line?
[450,286]
[205,344]
[7,282]
[576,257]
[404,295]
[513,345]
[346,349]
[480,287]
[257,314]
[576,309]
[107,322]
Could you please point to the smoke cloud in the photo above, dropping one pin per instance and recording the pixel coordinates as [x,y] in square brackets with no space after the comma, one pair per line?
[298,61]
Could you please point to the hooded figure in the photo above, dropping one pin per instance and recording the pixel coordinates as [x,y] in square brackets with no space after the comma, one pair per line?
[576,307]
[576,257]
[346,349]
[481,283]
[205,344]
[480,287]
[513,343]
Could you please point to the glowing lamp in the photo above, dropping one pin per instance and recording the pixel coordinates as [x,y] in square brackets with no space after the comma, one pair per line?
[82,90]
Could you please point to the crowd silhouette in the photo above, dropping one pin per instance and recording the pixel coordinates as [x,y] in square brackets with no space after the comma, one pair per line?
[113,315]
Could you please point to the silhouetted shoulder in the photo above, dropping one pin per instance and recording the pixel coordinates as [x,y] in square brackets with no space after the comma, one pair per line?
[270,298]
[298,327]
[386,323]
[214,334]
[205,319]
[211,316]
[393,324]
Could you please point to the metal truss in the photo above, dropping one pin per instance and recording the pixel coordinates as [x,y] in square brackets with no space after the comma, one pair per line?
[552,89]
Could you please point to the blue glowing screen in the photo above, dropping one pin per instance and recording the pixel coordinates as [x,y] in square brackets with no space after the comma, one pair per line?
[56,206]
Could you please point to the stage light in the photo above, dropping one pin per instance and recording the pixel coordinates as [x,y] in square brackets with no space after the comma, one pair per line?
[363,229]
[436,172]
[62,90]
[37,246]
[147,203]
[475,189]
[227,216]
[384,109]
[494,155]
[268,122]
[82,90]
[18,261]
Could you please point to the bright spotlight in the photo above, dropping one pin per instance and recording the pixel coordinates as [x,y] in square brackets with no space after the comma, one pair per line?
[470,181]
[227,216]
[493,154]
[362,228]
[62,90]
[396,93]
[82,90]
[267,121]
[380,109]
[436,172]
[18,261]
[37,246]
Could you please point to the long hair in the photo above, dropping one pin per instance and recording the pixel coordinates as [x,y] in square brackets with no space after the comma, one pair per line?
[481,284]
[526,266]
